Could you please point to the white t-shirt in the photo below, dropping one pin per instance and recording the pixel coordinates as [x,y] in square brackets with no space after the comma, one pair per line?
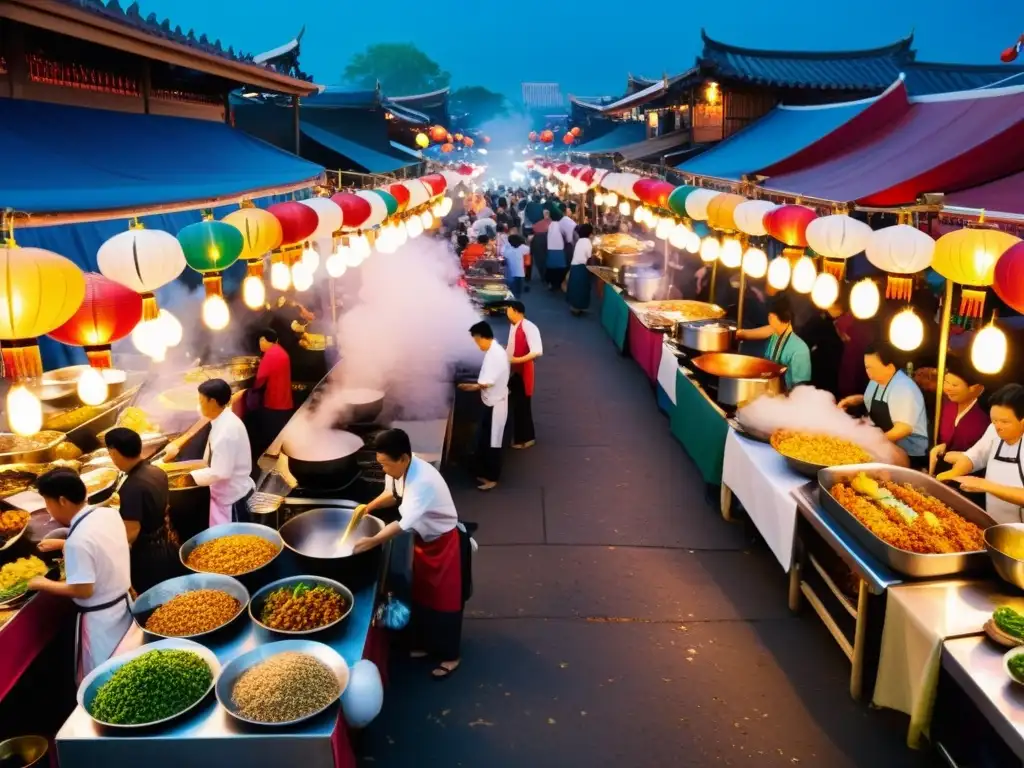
[556,238]
[568,227]
[480,227]
[906,405]
[582,252]
[495,371]
[427,507]
[532,338]
[515,260]
[97,553]
[230,460]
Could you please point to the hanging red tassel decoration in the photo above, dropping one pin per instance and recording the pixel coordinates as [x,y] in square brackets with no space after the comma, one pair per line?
[899,287]
[972,302]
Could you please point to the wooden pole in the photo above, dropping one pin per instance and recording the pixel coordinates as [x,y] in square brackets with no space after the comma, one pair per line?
[714,276]
[743,289]
[947,309]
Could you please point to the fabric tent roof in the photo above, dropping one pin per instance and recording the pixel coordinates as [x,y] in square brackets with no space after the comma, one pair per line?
[61,159]
[796,136]
[942,143]
[656,147]
[1004,195]
[372,160]
[404,150]
[620,136]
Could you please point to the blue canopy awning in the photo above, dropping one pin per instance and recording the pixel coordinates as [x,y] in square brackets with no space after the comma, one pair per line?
[618,137]
[371,160]
[61,160]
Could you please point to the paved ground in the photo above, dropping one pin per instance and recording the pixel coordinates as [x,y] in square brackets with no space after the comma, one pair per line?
[617,620]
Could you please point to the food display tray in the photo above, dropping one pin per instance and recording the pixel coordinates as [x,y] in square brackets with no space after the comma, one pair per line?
[911,564]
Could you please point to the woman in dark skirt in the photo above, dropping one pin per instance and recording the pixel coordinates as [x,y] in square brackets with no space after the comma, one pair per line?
[578,291]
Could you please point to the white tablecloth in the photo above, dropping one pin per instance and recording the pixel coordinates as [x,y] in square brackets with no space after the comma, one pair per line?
[667,369]
[762,481]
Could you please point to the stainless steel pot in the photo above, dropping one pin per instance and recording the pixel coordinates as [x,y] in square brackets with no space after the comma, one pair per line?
[360,406]
[741,378]
[620,259]
[315,536]
[642,283]
[705,335]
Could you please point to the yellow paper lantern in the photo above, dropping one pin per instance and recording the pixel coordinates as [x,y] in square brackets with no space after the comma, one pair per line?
[825,290]
[422,140]
[260,229]
[721,211]
[968,256]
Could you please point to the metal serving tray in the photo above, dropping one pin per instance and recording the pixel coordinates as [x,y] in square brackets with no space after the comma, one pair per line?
[910,564]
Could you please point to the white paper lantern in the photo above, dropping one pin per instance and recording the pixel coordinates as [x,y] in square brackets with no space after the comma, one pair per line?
[779,273]
[697,203]
[141,259]
[988,350]
[864,299]
[329,214]
[625,185]
[418,193]
[755,263]
[838,237]
[363,697]
[906,331]
[900,249]
[825,290]
[803,275]
[378,208]
[731,254]
[749,216]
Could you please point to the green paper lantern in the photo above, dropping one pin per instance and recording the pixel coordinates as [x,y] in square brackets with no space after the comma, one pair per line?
[211,246]
[677,200]
[389,200]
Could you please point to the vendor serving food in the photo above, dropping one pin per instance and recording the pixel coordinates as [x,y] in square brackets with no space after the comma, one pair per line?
[963,421]
[784,346]
[998,453]
[894,403]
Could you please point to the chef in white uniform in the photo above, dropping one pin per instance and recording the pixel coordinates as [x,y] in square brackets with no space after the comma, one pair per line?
[492,384]
[97,563]
[228,456]
[999,453]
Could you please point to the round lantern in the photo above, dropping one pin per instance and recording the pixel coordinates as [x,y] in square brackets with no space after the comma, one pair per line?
[468,142]
[788,224]
[532,136]
[108,312]
[354,210]
[864,299]
[419,193]
[328,217]
[749,216]
[900,250]
[401,195]
[547,136]
[709,249]
[459,137]
[378,208]
[24,411]
[447,148]
[390,203]
[422,140]
[654,192]
[624,185]
[677,200]
[1008,278]
[722,211]
[836,239]
[968,257]
[261,231]
[141,259]
[697,203]
[39,291]
[487,139]
[298,222]
[568,138]
[211,247]
[438,133]
[577,131]
[988,350]
[906,331]
[435,183]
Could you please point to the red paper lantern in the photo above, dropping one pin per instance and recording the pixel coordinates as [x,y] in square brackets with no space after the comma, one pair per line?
[355,210]
[446,147]
[587,176]
[449,138]
[438,133]
[547,136]
[1008,281]
[568,138]
[465,170]
[532,136]
[788,224]
[577,131]
[563,168]
[298,221]
[467,141]
[401,195]
[436,183]
[108,313]
[653,192]
[487,139]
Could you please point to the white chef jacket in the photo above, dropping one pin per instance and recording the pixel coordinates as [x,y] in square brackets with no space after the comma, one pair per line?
[532,338]
[427,507]
[230,465]
[582,252]
[1004,471]
[495,371]
[97,553]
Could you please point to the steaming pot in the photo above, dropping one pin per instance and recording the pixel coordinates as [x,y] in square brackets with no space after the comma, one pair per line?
[741,378]
[642,281]
[319,457]
[705,335]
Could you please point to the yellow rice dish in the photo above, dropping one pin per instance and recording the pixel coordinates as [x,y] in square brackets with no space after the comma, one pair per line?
[823,450]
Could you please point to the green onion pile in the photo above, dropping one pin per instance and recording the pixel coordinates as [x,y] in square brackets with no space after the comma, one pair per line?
[152,687]
[1009,621]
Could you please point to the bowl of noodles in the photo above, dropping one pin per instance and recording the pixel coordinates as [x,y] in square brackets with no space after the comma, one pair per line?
[807,452]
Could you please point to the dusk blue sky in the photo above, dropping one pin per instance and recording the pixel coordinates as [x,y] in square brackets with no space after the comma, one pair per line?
[589,47]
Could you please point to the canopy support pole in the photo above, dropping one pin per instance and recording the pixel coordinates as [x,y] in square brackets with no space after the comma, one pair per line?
[714,275]
[296,122]
[947,308]
[743,290]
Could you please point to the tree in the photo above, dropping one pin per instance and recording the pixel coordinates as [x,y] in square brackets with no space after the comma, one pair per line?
[479,104]
[402,69]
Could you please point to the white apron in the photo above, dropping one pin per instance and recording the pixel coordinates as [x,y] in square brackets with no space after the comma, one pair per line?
[1004,470]
[499,415]
[98,628]
[220,511]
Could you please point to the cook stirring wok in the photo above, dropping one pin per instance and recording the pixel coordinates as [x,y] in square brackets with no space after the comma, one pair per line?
[441,579]
[784,346]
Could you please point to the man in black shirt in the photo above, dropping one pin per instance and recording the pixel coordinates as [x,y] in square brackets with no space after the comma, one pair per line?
[144,498]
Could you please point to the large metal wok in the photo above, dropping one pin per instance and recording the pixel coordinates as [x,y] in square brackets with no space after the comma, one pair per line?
[741,378]
[319,457]
[359,405]
[315,538]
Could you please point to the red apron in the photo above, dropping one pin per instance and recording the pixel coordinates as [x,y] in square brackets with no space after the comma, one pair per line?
[520,348]
[437,572]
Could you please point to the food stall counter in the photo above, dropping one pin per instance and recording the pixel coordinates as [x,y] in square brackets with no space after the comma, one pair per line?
[700,425]
[668,366]
[615,315]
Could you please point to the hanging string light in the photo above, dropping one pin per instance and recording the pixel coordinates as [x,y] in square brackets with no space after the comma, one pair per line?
[864,299]
[709,249]
[210,247]
[731,253]
[988,350]
[906,331]
[755,263]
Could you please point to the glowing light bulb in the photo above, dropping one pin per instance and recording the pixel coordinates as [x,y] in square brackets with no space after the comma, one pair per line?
[310,258]
[624,208]
[24,411]
[611,200]
[92,387]
[414,226]
[755,263]
[693,242]
[401,234]
[385,242]
[864,299]
[171,330]
[302,277]
[664,229]
[731,254]
[446,206]
[427,220]
[639,215]
[803,275]
[280,276]
[906,331]
[709,249]
[360,246]
[147,338]
[779,273]
[825,290]
[462,193]
[336,264]
[988,350]
[254,292]
[598,199]
[216,315]
[678,237]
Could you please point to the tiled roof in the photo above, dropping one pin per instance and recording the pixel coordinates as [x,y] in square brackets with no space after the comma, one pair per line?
[542,95]
[923,77]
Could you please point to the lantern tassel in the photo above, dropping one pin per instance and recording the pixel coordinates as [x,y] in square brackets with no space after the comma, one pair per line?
[22,360]
[213,284]
[100,357]
[899,287]
[150,310]
[972,303]
[835,268]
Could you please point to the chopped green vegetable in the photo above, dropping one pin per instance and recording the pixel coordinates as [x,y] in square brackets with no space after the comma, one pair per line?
[1009,621]
[152,687]
[1016,665]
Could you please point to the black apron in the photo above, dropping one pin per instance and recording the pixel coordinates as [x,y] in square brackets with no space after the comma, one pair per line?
[881,418]
[780,346]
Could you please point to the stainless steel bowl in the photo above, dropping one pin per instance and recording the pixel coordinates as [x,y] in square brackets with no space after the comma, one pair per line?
[997,538]
[29,749]
[239,665]
[231,529]
[259,599]
[317,533]
[165,591]
[95,679]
